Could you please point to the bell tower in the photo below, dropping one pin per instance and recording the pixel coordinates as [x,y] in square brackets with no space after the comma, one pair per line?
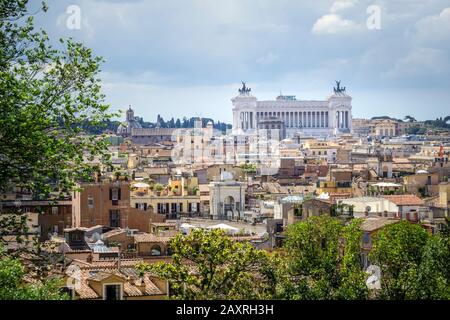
[130,114]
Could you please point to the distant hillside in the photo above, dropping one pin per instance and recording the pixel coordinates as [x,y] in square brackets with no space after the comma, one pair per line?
[385,118]
[438,124]
[185,123]
[111,126]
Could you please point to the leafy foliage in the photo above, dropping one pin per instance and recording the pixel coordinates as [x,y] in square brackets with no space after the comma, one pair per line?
[210,265]
[249,168]
[414,264]
[13,287]
[45,94]
[322,260]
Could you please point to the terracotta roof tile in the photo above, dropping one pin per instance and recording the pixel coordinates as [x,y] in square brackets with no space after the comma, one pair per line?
[133,285]
[405,200]
[131,290]
[150,287]
[151,238]
[85,291]
[372,223]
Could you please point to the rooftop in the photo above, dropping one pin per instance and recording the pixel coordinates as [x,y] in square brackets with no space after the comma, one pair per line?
[405,200]
[146,237]
[375,223]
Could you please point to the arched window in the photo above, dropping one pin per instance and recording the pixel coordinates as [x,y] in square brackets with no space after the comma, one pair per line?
[156,250]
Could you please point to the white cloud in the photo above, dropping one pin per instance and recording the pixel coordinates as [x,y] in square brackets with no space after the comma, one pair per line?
[341,5]
[334,24]
[434,30]
[179,43]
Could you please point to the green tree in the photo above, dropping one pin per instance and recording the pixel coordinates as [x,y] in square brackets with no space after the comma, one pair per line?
[398,249]
[432,280]
[249,168]
[352,277]
[45,94]
[323,260]
[13,286]
[210,265]
[158,187]
[410,119]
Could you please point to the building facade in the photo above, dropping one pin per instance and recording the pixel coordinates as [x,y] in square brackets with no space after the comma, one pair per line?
[227,200]
[108,204]
[313,118]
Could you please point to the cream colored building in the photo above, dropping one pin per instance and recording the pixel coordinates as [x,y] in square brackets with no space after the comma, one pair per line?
[385,128]
[322,150]
[371,205]
[227,200]
[169,205]
[311,117]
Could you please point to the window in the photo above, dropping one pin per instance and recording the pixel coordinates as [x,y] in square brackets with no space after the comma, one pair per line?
[55,210]
[115,195]
[114,218]
[75,237]
[155,251]
[141,206]
[112,292]
[90,202]
[366,238]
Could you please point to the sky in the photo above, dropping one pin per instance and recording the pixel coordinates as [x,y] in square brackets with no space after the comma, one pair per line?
[188,57]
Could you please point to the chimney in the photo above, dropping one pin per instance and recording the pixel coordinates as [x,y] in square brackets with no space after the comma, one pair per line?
[119,261]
